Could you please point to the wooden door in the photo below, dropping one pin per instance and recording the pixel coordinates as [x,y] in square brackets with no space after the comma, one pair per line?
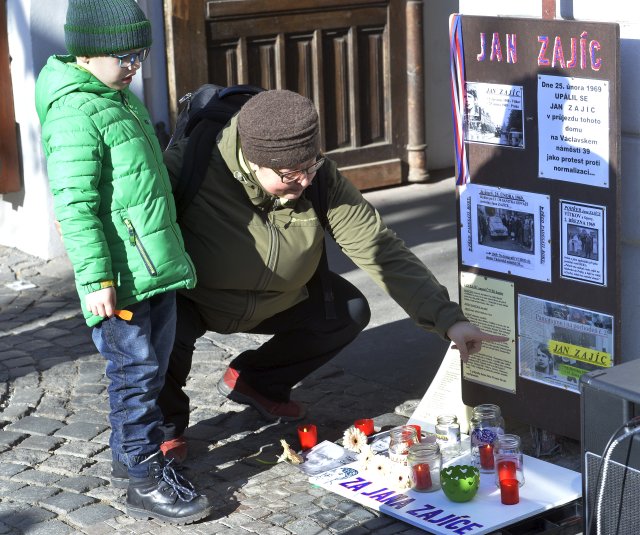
[9,155]
[350,58]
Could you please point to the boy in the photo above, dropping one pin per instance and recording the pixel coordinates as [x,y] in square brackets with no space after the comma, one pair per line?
[112,198]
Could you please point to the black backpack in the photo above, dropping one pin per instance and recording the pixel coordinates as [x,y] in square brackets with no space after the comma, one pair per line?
[207,111]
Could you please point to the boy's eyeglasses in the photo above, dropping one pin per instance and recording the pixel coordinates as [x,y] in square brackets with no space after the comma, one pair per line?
[129,59]
[292,176]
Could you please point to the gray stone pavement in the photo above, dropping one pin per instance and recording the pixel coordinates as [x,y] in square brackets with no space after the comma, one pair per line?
[54,455]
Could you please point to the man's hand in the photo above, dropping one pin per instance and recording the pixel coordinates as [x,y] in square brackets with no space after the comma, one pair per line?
[103,302]
[467,338]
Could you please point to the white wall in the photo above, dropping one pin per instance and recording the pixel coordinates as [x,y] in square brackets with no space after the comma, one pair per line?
[26,216]
[627,15]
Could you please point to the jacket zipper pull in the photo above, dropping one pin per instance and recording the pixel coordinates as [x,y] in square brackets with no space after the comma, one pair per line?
[132,234]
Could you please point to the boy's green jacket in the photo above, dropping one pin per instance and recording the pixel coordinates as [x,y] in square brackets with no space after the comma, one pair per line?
[111,191]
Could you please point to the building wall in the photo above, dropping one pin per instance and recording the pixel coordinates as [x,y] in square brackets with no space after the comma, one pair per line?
[627,15]
[439,126]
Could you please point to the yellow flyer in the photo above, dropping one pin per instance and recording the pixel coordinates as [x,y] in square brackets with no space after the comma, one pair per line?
[489,303]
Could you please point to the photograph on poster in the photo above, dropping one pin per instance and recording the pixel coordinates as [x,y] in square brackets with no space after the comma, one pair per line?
[493,114]
[573,126]
[559,342]
[583,235]
[505,230]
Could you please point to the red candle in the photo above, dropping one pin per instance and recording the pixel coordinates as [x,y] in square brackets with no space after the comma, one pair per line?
[418,430]
[506,470]
[421,476]
[365,425]
[308,436]
[486,456]
[509,494]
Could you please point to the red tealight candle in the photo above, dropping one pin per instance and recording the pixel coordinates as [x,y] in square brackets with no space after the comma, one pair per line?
[308,436]
[421,476]
[506,470]
[418,430]
[365,425]
[509,494]
[486,456]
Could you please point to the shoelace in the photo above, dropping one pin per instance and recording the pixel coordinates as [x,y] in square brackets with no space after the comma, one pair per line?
[180,485]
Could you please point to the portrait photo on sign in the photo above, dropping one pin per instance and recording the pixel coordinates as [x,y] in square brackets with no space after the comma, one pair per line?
[493,114]
[505,230]
[559,342]
[583,242]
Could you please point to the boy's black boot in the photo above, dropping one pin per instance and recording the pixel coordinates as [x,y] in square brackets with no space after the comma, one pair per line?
[165,495]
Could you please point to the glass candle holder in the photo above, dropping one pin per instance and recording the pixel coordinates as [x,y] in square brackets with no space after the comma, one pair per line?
[425,463]
[448,435]
[508,459]
[486,425]
[401,438]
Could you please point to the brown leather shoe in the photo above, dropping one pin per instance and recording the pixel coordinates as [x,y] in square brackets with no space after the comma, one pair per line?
[233,387]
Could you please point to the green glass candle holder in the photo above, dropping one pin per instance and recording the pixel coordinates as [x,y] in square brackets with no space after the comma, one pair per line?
[460,483]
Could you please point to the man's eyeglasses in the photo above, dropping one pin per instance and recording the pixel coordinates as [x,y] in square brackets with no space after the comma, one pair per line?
[129,59]
[292,176]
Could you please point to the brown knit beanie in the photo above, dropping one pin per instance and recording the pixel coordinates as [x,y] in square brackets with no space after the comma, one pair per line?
[279,129]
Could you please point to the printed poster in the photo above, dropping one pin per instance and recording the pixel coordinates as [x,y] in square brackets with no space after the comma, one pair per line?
[494,114]
[582,235]
[559,342]
[505,230]
[573,130]
[488,303]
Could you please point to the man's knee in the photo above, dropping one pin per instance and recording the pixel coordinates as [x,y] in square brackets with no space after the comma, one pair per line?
[360,313]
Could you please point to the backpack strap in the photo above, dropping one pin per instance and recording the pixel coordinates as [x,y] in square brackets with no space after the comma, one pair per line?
[195,163]
[202,130]
[318,194]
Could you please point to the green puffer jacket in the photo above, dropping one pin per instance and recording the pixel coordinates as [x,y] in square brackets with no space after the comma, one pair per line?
[254,256]
[111,191]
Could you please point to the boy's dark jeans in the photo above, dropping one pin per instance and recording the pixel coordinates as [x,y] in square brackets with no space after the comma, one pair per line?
[137,353]
[303,340]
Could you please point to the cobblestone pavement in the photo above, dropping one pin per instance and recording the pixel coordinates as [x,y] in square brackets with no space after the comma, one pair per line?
[54,455]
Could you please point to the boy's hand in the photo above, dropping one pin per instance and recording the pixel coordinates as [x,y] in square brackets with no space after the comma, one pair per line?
[102,303]
[467,338]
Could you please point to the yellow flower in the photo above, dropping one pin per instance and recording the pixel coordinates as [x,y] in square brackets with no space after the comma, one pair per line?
[354,439]
[288,455]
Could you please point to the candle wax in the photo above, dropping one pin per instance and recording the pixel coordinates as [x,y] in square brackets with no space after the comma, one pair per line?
[486,456]
[509,494]
[421,476]
[365,425]
[506,470]
[308,436]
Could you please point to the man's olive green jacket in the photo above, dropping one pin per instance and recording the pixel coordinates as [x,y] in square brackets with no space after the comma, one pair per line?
[254,256]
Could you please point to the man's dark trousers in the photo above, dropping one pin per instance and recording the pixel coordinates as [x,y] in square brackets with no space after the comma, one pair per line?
[303,340]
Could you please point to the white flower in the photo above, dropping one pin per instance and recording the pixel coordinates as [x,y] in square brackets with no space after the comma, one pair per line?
[381,466]
[354,439]
[400,477]
[366,457]
[288,454]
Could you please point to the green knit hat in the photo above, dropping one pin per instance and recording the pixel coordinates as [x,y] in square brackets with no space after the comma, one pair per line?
[100,27]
